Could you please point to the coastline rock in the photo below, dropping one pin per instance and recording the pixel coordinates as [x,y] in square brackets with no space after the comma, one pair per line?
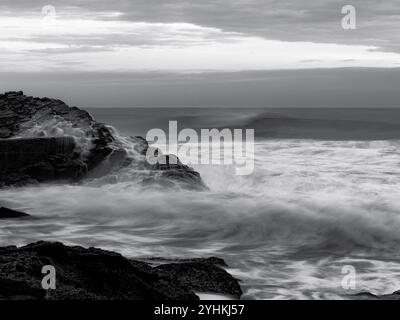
[202,276]
[41,158]
[43,139]
[370,296]
[169,173]
[98,274]
[6,213]
[212,260]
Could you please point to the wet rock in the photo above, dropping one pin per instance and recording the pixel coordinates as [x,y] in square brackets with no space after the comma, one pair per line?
[186,178]
[113,162]
[212,260]
[6,213]
[98,274]
[370,296]
[43,139]
[170,172]
[41,158]
[39,140]
[202,276]
[141,144]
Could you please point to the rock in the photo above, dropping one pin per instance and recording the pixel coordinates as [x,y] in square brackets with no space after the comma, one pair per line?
[365,295]
[170,172]
[43,139]
[186,178]
[202,276]
[98,274]
[41,158]
[141,144]
[48,140]
[212,260]
[5,133]
[6,213]
[114,161]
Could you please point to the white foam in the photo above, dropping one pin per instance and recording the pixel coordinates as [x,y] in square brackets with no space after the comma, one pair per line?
[306,201]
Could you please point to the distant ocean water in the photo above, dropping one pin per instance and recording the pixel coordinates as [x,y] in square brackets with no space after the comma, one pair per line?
[325,194]
[324,123]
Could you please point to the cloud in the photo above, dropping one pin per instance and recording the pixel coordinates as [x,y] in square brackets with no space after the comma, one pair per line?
[206,35]
[291,20]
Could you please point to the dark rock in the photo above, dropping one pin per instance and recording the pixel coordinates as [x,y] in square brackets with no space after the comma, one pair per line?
[364,295]
[212,260]
[40,149]
[43,159]
[6,213]
[141,144]
[41,171]
[114,161]
[202,277]
[168,162]
[43,139]
[17,153]
[169,172]
[370,296]
[98,274]
[5,133]
[187,178]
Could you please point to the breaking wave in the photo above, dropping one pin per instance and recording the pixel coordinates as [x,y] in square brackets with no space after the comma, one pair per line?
[287,230]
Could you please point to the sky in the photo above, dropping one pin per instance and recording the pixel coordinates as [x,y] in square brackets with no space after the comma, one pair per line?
[167,42]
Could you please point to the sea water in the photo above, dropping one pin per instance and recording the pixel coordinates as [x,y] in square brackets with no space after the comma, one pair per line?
[311,208]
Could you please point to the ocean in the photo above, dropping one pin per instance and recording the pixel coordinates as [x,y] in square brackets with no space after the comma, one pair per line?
[324,197]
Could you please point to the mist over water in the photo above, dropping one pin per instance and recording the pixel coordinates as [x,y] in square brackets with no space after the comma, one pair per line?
[311,207]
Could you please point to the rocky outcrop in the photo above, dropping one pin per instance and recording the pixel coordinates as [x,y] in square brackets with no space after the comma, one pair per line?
[168,171]
[42,159]
[6,213]
[43,139]
[370,296]
[202,276]
[98,274]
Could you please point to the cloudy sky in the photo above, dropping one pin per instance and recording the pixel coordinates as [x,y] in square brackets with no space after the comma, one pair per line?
[176,35]
[192,37]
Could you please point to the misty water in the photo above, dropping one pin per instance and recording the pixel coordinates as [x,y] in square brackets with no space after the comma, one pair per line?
[311,207]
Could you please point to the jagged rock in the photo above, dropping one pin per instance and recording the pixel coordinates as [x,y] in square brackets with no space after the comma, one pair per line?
[41,158]
[39,140]
[98,274]
[6,213]
[202,275]
[141,144]
[185,178]
[212,260]
[370,296]
[169,171]
[43,139]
